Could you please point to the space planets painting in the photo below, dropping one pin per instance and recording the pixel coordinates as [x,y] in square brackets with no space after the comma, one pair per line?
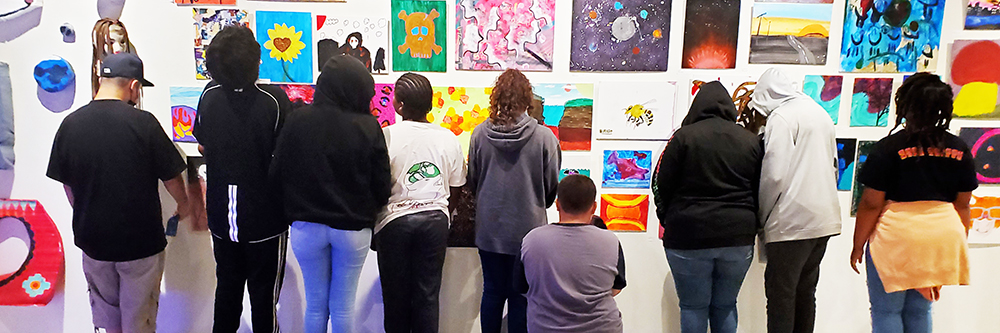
[711,31]
[622,35]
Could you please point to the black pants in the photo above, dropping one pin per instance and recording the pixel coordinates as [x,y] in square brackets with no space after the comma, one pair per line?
[790,284]
[411,252]
[258,266]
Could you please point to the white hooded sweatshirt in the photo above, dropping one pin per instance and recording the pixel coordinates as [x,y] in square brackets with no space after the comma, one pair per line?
[798,183]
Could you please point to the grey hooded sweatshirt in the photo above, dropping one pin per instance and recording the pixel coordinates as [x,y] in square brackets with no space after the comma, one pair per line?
[514,172]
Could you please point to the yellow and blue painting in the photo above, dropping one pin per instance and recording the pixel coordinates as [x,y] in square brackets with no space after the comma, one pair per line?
[790,33]
[183,110]
[627,168]
[286,52]
[891,36]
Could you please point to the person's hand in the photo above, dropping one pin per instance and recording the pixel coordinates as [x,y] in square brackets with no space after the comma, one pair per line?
[856,256]
[184,211]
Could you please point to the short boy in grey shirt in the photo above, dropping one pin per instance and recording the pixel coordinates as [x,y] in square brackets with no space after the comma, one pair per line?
[571,270]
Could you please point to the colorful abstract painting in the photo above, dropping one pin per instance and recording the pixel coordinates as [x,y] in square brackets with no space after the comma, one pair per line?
[205,2]
[790,33]
[826,91]
[627,168]
[982,15]
[985,146]
[460,110]
[624,35]
[625,212]
[846,149]
[974,77]
[183,110]
[711,31]
[636,110]
[419,36]
[364,38]
[891,36]
[985,220]
[870,102]
[286,51]
[568,110]
[864,147]
[569,172]
[500,34]
[381,104]
[207,23]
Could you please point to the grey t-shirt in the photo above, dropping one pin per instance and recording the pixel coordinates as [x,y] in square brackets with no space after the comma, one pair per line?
[568,273]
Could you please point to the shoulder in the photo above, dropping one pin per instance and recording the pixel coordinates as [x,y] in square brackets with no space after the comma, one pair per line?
[539,234]
[211,89]
[272,92]
[953,141]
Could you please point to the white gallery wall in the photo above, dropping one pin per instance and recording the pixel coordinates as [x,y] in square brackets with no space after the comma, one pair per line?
[163,35]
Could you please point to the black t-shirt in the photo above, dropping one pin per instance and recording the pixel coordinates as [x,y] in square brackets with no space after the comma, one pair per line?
[907,173]
[112,155]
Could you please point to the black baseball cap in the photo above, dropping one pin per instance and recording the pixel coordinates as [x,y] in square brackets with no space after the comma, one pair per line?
[126,65]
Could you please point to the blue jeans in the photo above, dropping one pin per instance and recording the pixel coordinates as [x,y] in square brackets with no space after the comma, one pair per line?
[902,311]
[498,288]
[707,283]
[331,261]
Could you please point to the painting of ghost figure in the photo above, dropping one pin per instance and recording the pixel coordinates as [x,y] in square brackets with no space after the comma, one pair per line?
[790,33]
[870,102]
[496,35]
[364,38]
[891,36]
[627,169]
[418,36]
[624,35]
[711,31]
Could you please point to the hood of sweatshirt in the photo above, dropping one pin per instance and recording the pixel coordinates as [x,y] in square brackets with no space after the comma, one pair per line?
[712,101]
[511,137]
[345,84]
[773,89]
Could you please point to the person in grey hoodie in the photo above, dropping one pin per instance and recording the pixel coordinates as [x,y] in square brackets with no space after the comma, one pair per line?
[514,172]
[798,199]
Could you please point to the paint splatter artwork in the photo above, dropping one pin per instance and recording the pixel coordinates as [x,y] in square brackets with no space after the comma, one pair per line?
[636,110]
[711,31]
[569,172]
[460,110]
[207,23]
[624,35]
[982,15]
[846,149]
[286,52]
[790,33]
[864,147]
[568,110]
[985,220]
[500,34]
[974,77]
[183,110]
[381,105]
[985,146]
[364,38]
[205,2]
[870,102]
[418,36]
[625,212]
[627,168]
[891,36]
[826,91]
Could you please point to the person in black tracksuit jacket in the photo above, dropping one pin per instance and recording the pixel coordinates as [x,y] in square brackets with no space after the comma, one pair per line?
[236,126]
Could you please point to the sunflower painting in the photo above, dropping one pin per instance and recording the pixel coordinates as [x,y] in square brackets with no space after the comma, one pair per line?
[286,53]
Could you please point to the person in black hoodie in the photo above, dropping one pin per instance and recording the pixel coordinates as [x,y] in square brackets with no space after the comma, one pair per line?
[332,167]
[708,180]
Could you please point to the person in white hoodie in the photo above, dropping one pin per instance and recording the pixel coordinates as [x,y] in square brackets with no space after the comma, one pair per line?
[798,199]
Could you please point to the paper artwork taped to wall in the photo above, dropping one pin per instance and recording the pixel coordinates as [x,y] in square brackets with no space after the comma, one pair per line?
[205,2]
[864,147]
[636,110]
[711,31]
[501,34]
[460,110]
[624,35]
[568,110]
[569,172]
[826,91]
[625,212]
[973,77]
[627,168]
[364,38]
[208,23]
[846,149]
[419,36]
[982,15]
[985,220]
[183,110]
[985,146]
[381,105]
[35,280]
[790,33]
[870,102]
[891,36]
[285,46]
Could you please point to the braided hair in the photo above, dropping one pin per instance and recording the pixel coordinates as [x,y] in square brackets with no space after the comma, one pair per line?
[414,93]
[926,105]
[511,96]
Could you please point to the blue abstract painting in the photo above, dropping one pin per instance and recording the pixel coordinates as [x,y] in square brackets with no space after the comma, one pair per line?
[627,168]
[568,172]
[891,36]
[846,149]
[826,91]
[286,51]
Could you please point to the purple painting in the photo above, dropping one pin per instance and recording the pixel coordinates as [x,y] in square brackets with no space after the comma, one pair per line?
[623,35]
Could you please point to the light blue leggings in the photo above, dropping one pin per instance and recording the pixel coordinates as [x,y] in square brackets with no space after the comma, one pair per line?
[331,261]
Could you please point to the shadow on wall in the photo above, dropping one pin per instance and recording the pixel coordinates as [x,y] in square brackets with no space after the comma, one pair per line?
[671,304]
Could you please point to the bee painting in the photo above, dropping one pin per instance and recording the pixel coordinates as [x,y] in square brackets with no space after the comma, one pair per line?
[638,114]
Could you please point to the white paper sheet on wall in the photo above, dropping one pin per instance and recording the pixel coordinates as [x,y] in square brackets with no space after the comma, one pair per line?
[635,110]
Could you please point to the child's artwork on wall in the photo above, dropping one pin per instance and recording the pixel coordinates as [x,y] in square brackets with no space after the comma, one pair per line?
[826,91]
[846,149]
[982,15]
[285,46]
[864,147]
[625,212]
[568,110]
[496,35]
[891,36]
[183,110]
[627,168]
[738,86]
[205,2]
[299,94]
[985,146]
[418,36]
[711,31]
[985,220]
[381,104]
[624,35]
[636,110]
[569,172]
[38,277]
[974,77]
[870,102]
[460,110]
[364,38]
[790,33]
[207,23]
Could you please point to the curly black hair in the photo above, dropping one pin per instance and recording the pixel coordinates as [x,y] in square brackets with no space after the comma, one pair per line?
[925,103]
[233,57]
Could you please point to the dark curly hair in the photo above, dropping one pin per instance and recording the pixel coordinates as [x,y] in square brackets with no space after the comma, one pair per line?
[414,92]
[511,96]
[233,57]
[926,104]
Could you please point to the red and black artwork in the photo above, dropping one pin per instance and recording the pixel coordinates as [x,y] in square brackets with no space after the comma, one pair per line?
[711,29]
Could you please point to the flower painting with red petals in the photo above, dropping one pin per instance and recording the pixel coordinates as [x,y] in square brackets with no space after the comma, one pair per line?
[711,29]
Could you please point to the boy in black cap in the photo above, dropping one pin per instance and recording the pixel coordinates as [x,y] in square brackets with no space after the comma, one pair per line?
[109,156]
